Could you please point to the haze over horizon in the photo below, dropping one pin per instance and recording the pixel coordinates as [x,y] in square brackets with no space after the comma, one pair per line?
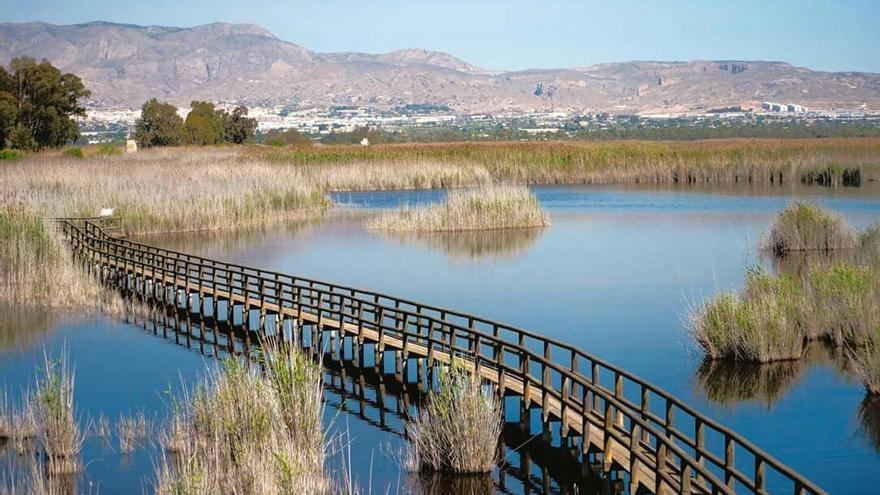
[516,35]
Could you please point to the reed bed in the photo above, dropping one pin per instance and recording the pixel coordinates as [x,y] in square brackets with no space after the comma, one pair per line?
[485,208]
[37,269]
[162,190]
[806,227]
[242,431]
[459,430]
[826,161]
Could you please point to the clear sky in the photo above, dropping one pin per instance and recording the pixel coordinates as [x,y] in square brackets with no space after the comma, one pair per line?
[514,34]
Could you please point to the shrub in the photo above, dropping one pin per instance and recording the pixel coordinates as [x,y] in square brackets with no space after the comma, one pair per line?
[803,226]
[459,429]
[74,152]
[11,155]
[108,150]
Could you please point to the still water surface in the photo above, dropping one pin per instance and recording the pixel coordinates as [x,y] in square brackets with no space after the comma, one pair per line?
[615,274]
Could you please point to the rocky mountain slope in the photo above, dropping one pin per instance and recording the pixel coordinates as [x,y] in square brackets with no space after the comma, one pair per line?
[124,65]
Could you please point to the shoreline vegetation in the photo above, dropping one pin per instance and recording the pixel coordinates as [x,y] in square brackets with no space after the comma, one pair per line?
[483,208]
[185,189]
[833,297]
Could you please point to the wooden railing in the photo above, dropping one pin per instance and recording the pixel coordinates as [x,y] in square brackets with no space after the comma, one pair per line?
[685,450]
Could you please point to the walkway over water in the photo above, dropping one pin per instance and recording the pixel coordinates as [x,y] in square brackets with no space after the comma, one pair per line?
[665,445]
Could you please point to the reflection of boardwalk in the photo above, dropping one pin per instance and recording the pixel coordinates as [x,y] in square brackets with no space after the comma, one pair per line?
[384,403]
[628,423]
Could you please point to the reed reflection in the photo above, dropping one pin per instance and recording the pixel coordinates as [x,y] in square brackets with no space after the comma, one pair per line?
[868,415]
[476,245]
[22,327]
[730,383]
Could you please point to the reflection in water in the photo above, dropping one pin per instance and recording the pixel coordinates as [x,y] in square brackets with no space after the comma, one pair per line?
[378,401]
[23,327]
[217,244]
[435,484]
[729,383]
[477,244]
[869,420]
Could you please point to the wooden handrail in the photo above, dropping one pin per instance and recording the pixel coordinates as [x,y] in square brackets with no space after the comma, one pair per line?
[355,306]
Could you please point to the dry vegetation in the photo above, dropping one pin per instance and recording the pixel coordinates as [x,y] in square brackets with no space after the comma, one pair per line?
[242,431]
[459,430]
[807,227]
[485,208]
[163,190]
[36,267]
[734,160]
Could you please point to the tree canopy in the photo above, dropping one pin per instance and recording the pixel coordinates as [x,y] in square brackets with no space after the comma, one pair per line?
[238,128]
[159,125]
[38,104]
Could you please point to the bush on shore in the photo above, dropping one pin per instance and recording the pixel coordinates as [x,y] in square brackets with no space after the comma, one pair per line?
[485,208]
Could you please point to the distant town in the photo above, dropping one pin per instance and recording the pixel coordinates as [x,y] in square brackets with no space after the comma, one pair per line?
[102,125]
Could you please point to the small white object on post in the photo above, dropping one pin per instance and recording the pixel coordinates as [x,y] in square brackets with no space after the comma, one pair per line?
[105,212]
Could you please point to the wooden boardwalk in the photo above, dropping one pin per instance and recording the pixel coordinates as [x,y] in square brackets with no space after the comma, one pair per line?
[665,445]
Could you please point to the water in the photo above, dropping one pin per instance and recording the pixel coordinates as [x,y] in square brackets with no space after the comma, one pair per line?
[615,274]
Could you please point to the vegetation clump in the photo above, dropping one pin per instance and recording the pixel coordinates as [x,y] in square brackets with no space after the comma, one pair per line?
[761,324]
[485,208]
[60,435]
[803,227]
[459,430]
[242,431]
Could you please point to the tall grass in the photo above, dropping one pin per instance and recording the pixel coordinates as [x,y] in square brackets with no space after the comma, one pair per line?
[804,227]
[459,430]
[485,208]
[242,431]
[162,190]
[60,435]
[35,266]
[761,324]
[733,160]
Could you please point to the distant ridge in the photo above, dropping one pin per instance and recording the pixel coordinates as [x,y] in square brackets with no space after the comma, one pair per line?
[125,64]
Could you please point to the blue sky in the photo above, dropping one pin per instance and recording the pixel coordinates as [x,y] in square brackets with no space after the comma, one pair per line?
[514,34]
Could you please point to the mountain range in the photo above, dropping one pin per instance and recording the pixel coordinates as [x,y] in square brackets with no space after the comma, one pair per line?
[124,65]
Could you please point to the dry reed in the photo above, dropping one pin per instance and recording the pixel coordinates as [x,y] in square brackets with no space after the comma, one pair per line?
[485,208]
[731,160]
[162,190]
[132,431]
[60,434]
[36,268]
[241,431]
[459,429]
[803,227]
